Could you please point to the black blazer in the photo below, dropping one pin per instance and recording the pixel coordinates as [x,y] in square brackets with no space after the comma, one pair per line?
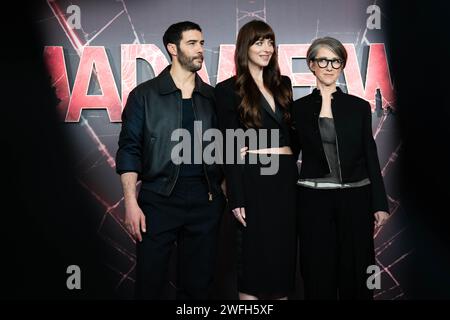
[357,150]
[227,102]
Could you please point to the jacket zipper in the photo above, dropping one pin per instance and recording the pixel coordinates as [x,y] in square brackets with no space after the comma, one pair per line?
[180,123]
[210,198]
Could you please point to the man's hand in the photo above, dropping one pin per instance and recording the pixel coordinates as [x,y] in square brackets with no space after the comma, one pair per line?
[134,217]
[135,221]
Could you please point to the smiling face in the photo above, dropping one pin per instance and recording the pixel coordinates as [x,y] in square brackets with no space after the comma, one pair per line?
[260,53]
[190,50]
[327,75]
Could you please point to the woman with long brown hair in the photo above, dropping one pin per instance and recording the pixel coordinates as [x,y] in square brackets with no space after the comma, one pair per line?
[256,101]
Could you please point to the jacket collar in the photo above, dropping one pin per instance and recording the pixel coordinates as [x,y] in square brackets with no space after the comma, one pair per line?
[337,112]
[316,93]
[167,85]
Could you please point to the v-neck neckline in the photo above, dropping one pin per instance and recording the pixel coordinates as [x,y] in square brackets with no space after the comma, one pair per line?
[267,102]
[266,106]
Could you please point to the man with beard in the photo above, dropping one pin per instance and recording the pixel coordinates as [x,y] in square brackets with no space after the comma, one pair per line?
[178,202]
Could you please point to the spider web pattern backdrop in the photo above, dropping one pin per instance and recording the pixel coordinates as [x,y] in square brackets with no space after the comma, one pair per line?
[94,137]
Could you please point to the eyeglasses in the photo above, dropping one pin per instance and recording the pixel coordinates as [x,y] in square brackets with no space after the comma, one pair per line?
[323,63]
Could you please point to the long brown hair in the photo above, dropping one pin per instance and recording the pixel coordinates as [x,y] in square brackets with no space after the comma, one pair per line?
[246,87]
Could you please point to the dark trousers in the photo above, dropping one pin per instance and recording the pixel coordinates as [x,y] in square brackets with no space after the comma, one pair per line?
[188,218]
[336,242]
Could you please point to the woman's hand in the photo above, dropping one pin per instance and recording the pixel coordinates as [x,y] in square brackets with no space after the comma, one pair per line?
[380,218]
[239,214]
[243,151]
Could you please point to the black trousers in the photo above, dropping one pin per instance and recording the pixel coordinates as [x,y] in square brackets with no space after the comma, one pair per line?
[188,218]
[336,242]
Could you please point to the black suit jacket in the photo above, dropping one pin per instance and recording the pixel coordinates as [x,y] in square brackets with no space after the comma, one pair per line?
[357,150]
[227,103]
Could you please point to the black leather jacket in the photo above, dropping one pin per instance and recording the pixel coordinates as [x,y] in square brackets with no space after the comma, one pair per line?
[152,112]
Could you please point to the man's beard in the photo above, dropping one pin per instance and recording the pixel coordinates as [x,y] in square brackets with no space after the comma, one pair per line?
[187,62]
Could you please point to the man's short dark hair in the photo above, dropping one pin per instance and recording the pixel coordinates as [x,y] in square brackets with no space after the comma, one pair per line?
[174,32]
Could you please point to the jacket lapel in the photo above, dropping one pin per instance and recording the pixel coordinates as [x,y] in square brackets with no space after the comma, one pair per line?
[266,106]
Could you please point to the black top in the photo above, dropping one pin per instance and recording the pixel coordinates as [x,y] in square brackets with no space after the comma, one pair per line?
[328,134]
[227,103]
[190,169]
